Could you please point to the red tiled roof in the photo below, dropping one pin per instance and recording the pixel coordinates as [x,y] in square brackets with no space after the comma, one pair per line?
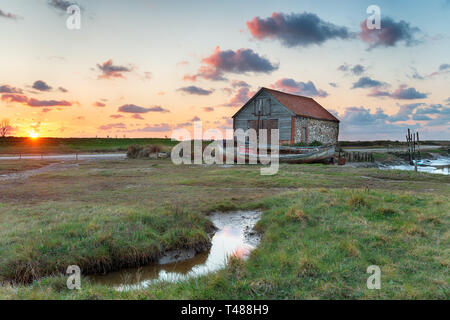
[302,106]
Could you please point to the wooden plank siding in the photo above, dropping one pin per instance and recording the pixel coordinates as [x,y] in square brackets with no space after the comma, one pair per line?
[278,112]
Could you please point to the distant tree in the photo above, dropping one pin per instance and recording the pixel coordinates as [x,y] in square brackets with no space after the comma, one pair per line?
[5,127]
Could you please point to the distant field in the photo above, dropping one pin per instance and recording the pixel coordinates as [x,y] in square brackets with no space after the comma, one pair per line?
[13,145]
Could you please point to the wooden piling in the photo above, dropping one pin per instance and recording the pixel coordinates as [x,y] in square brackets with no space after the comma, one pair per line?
[418,145]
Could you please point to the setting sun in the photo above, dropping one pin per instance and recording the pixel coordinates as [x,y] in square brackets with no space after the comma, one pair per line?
[34,135]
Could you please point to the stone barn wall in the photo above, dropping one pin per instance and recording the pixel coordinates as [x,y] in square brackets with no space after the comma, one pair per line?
[324,131]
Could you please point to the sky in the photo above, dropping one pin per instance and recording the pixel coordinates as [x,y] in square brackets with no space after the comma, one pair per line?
[143,68]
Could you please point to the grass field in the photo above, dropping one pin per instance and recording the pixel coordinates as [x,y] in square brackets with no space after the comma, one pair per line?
[322,226]
[11,145]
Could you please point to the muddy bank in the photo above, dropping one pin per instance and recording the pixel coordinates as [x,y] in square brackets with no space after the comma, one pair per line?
[235,236]
[28,173]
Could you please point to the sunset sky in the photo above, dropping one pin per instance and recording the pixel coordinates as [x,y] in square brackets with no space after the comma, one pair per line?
[142,68]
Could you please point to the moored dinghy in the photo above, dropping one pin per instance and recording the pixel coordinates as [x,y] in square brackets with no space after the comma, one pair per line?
[289,154]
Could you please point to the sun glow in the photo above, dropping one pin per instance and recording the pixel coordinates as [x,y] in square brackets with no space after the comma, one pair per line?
[34,135]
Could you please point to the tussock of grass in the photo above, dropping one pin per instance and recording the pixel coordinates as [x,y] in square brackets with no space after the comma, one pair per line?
[357,200]
[386,212]
[296,214]
[142,152]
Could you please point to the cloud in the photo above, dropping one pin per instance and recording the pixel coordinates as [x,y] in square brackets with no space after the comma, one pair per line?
[416,74]
[379,93]
[116,116]
[241,97]
[109,70]
[147,75]
[401,93]
[296,29]
[421,117]
[240,61]
[19,98]
[61,5]
[343,67]
[333,84]
[208,109]
[431,109]
[390,34]
[63,89]
[196,90]
[41,86]
[160,127]
[360,123]
[366,82]
[444,67]
[48,103]
[8,89]
[131,108]
[99,104]
[112,126]
[405,112]
[137,116]
[8,15]
[434,115]
[408,93]
[301,88]
[357,69]
[239,84]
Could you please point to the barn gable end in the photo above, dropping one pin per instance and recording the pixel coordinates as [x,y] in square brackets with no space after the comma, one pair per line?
[277,112]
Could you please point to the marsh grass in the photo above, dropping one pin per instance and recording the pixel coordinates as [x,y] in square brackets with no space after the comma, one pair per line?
[321,229]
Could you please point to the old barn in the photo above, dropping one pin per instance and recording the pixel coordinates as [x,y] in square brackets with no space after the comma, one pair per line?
[298,118]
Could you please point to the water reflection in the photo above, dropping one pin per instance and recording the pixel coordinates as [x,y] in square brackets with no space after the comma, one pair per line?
[233,237]
[440,166]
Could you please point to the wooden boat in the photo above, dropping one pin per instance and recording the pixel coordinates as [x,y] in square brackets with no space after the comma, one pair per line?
[308,155]
[287,154]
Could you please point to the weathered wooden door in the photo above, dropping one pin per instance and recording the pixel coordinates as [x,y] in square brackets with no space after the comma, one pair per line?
[269,125]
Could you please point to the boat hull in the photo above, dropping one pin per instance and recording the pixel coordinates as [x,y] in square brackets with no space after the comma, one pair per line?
[292,155]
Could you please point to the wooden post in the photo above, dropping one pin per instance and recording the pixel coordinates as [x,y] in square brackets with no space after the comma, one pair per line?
[408,140]
[418,145]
